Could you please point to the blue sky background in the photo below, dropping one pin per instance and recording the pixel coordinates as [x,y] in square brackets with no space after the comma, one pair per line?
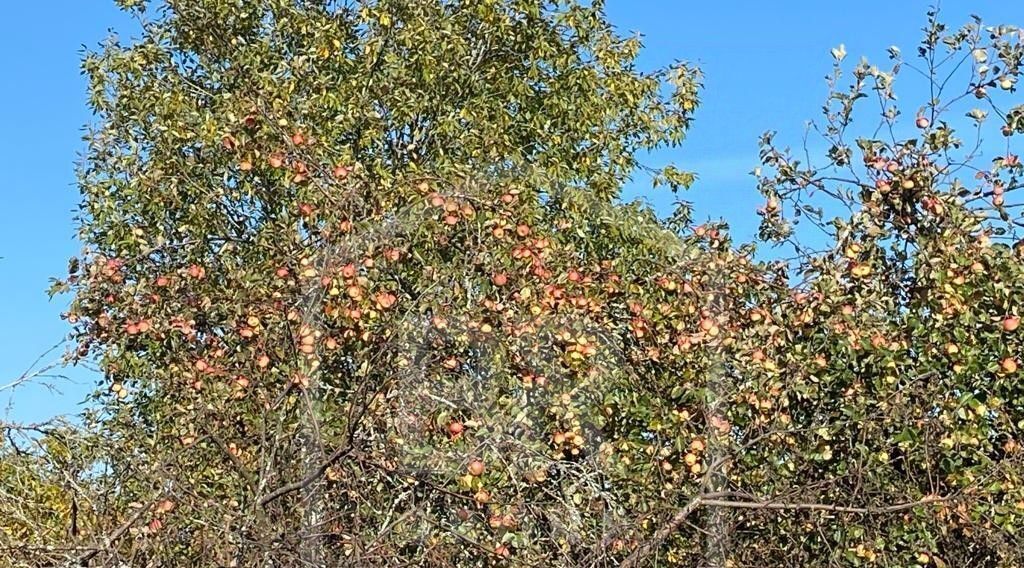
[764,64]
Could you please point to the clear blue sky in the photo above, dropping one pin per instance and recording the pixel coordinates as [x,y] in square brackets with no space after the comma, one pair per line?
[764,64]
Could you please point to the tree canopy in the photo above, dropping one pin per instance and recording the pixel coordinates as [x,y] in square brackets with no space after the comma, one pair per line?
[363,292]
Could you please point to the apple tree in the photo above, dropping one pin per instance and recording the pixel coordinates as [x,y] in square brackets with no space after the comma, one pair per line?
[363,292]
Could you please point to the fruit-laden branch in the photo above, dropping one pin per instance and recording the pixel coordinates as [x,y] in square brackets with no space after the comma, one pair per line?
[305,481]
[111,538]
[710,500]
[821,506]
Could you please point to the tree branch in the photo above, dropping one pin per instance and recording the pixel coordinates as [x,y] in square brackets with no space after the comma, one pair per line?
[305,481]
[709,500]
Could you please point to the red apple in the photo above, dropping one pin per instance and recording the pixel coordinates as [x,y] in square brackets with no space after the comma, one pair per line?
[341,172]
[164,506]
[1011,323]
[385,300]
[476,468]
[455,428]
[1008,365]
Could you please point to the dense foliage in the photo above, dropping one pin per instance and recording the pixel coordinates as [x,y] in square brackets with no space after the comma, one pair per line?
[363,292]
